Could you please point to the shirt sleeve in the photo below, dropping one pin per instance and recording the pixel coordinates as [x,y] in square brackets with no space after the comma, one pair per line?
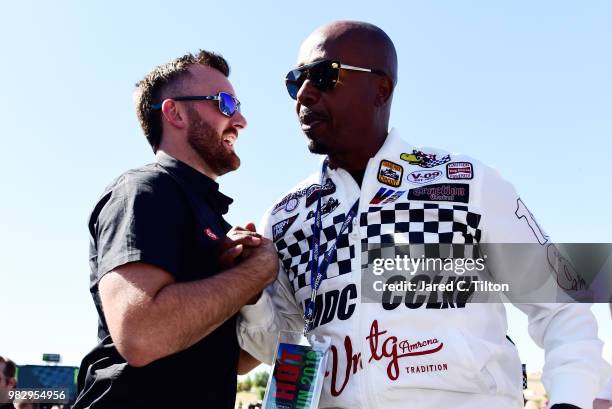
[606,392]
[141,221]
[573,369]
[258,325]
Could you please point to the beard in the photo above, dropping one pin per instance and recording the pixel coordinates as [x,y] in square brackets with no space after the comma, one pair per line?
[209,145]
[317,148]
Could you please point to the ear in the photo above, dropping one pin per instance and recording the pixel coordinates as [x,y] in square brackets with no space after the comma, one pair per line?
[384,91]
[174,114]
[12,382]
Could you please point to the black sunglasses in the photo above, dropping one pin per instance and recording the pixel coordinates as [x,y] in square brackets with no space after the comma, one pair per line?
[228,104]
[323,75]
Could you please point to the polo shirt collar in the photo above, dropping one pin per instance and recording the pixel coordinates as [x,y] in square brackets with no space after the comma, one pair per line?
[201,184]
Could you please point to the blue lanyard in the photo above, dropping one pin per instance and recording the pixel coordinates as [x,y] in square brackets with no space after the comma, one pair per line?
[319,271]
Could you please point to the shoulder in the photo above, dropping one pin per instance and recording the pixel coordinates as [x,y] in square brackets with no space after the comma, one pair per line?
[456,165]
[433,174]
[285,209]
[148,178]
[423,165]
[290,200]
[149,185]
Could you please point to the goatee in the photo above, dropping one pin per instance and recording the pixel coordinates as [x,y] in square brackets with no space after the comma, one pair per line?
[317,147]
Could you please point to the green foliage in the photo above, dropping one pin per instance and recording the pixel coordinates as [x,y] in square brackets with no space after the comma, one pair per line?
[257,384]
[247,384]
[261,379]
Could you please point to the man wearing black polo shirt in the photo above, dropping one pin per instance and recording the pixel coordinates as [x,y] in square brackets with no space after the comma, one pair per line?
[165,279]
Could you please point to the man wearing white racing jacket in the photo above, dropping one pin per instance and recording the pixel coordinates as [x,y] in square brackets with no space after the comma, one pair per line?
[410,351]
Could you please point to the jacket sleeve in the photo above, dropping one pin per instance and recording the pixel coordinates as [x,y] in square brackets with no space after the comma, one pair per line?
[574,369]
[258,325]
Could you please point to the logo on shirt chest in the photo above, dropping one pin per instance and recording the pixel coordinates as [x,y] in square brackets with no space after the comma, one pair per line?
[210,234]
[424,160]
[442,192]
[384,196]
[280,228]
[326,208]
[420,177]
[390,173]
[459,170]
[290,202]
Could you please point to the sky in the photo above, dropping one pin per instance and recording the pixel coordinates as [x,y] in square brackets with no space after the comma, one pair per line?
[523,86]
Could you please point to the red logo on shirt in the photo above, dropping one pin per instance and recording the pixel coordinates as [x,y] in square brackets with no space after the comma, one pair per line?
[382,347]
[210,234]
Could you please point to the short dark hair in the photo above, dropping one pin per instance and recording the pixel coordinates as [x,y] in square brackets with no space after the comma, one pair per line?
[10,369]
[150,90]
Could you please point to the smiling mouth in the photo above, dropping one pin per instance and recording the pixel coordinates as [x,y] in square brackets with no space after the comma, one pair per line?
[229,141]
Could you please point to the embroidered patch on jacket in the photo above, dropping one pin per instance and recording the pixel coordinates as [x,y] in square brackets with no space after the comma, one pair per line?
[390,173]
[385,195]
[326,208]
[290,202]
[424,160]
[280,228]
[441,192]
[459,170]
[312,192]
[421,177]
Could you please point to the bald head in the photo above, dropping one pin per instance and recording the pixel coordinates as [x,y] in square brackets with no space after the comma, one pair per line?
[349,120]
[354,43]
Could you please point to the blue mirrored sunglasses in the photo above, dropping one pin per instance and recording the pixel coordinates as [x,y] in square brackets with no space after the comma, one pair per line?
[228,104]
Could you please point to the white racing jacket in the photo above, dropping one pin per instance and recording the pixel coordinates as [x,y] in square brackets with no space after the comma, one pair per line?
[417,352]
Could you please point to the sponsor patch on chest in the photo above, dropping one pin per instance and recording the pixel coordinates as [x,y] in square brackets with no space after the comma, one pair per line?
[421,177]
[424,160]
[459,170]
[384,196]
[390,173]
[441,192]
[280,228]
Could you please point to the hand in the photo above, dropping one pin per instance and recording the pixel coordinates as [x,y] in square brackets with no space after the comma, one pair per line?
[238,243]
[262,262]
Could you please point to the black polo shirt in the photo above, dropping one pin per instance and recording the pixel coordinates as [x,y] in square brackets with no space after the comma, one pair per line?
[170,215]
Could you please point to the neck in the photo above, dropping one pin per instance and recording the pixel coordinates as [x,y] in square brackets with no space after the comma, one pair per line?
[189,157]
[357,159]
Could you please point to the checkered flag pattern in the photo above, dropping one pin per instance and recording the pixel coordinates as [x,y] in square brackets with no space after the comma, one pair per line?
[294,251]
[435,162]
[419,229]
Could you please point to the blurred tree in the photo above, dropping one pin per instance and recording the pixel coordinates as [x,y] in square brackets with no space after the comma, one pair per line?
[261,379]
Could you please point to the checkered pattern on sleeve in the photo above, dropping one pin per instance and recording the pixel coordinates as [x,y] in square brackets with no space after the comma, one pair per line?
[423,226]
[294,250]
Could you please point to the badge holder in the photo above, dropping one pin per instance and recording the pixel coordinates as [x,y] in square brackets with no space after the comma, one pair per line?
[298,373]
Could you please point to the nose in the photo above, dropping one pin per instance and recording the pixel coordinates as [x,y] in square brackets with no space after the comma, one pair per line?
[308,94]
[239,121]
